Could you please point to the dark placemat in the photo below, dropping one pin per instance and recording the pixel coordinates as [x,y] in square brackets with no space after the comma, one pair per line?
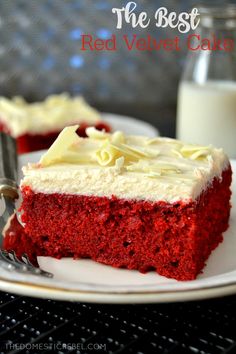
[31,325]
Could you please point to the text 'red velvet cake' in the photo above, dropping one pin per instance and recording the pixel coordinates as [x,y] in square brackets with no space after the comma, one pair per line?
[35,126]
[128,201]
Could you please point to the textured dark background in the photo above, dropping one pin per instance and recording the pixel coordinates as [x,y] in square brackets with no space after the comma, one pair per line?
[40,54]
[206,327]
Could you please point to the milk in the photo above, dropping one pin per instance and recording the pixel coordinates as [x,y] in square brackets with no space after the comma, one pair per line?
[207,114]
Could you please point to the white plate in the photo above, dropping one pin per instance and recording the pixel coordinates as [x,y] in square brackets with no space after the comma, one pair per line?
[130,125]
[85,280]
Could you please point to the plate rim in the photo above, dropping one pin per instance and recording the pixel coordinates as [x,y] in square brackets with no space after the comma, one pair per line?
[115,298]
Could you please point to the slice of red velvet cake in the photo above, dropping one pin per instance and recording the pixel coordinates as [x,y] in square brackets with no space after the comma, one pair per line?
[35,126]
[128,201]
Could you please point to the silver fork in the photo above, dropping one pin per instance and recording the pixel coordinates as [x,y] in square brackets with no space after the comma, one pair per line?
[8,195]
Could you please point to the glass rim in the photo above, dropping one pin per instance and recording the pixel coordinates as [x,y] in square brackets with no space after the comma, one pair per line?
[224,11]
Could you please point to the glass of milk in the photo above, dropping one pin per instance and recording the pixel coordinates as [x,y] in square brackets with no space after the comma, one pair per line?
[206,109]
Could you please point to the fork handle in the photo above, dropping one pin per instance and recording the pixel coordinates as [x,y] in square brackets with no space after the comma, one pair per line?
[8,166]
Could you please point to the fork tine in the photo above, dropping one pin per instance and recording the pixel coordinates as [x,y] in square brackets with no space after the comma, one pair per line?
[13,257]
[5,255]
[7,262]
[10,261]
[26,260]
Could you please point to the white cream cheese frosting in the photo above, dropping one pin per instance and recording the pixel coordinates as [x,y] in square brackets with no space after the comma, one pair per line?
[129,167]
[50,115]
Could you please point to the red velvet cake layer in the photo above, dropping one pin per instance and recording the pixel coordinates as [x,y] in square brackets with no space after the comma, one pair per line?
[34,142]
[173,239]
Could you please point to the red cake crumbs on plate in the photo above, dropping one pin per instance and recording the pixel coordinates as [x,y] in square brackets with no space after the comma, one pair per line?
[16,239]
[169,207]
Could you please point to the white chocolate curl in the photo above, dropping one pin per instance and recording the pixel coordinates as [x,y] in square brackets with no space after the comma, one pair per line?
[155,158]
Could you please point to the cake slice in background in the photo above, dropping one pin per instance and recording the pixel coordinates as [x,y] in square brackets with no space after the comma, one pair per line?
[127,201]
[35,126]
